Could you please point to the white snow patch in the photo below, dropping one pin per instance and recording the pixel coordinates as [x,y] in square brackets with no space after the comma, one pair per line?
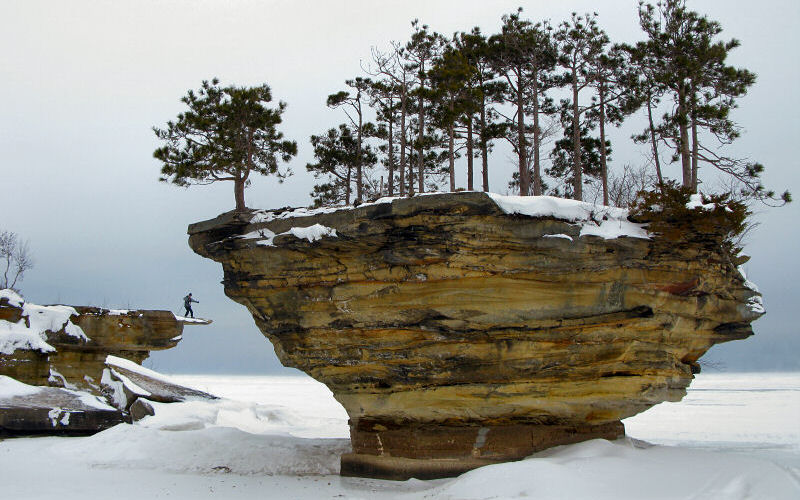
[696,201]
[118,397]
[114,361]
[756,304]
[622,469]
[265,237]
[57,377]
[595,220]
[184,319]
[10,388]
[313,233]
[614,228]
[747,283]
[130,384]
[560,235]
[90,400]
[14,299]
[39,319]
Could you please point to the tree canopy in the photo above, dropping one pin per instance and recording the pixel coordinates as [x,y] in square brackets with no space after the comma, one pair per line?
[226,134]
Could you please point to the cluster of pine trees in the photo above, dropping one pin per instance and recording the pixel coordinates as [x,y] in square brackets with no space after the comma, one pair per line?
[550,92]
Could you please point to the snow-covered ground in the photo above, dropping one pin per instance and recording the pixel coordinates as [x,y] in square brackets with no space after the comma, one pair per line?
[733,436]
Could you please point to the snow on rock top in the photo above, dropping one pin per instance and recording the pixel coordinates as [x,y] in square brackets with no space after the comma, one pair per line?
[13,298]
[595,220]
[29,333]
[129,365]
[696,201]
[311,233]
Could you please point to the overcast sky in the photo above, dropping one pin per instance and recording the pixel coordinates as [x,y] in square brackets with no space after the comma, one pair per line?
[83,82]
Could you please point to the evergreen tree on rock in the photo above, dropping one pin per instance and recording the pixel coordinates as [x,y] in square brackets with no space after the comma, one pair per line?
[691,65]
[227,134]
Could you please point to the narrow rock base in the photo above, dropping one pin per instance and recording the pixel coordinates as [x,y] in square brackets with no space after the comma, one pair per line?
[401,469]
[431,452]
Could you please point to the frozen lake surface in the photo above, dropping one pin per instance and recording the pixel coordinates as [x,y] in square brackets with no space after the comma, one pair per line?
[733,436]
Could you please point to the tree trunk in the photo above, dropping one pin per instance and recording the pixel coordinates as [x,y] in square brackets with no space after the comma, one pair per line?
[347,186]
[484,146]
[403,141]
[524,181]
[391,151]
[450,154]
[577,185]
[654,144]
[359,194]
[683,124]
[537,172]
[410,176]
[470,154]
[695,145]
[238,193]
[421,134]
[603,155]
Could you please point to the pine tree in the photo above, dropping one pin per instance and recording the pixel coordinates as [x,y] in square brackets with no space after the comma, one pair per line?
[454,99]
[563,160]
[338,155]
[354,109]
[227,134]
[385,99]
[394,69]
[692,66]
[612,80]
[485,91]
[580,41]
[420,53]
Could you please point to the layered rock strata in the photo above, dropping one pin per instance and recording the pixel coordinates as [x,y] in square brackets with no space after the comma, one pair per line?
[461,330]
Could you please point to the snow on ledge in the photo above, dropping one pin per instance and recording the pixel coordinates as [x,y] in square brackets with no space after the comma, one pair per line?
[29,333]
[595,220]
[311,233]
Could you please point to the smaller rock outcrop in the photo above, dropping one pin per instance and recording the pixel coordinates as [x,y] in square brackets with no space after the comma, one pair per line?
[27,409]
[76,370]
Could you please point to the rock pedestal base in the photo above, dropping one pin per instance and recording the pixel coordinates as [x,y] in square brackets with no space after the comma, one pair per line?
[431,451]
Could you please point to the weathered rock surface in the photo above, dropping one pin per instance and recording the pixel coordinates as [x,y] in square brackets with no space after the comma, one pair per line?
[151,385]
[456,334]
[26,409]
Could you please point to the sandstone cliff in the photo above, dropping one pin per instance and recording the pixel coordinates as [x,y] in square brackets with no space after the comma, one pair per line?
[465,329]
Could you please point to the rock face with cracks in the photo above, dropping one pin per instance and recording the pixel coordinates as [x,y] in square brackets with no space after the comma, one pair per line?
[466,329]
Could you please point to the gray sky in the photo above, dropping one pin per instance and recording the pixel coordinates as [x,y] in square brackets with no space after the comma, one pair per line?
[84,81]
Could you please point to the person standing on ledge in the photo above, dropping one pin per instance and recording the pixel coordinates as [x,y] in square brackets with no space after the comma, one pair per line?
[187,303]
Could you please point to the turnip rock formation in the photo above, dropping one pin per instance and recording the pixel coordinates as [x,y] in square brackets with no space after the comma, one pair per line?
[467,329]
